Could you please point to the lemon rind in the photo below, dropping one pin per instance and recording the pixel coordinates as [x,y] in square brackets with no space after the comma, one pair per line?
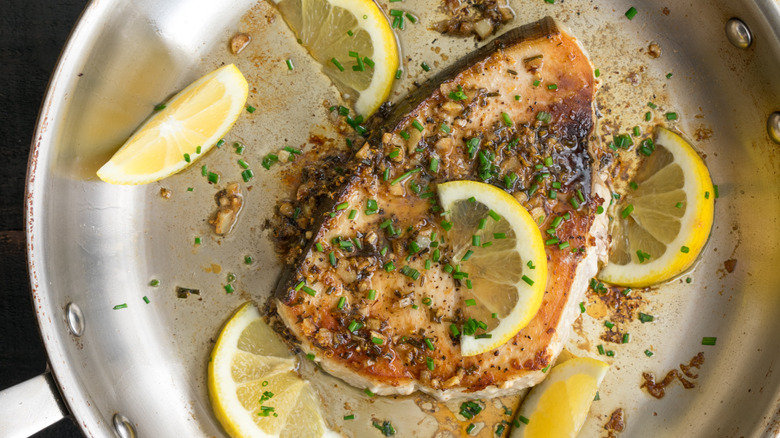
[698,226]
[113,172]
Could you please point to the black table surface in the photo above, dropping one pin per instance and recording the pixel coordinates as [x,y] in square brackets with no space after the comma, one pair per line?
[32,34]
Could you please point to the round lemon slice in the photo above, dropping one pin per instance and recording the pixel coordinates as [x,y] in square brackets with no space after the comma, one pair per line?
[559,405]
[253,386]
[353,41]
[661,225]
[186,127]
[507,267]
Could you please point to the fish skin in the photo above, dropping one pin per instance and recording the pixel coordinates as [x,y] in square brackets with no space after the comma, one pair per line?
[399,364]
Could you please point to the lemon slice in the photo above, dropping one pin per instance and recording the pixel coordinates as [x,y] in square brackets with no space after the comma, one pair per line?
[661,226]
[331,29]
[253,386]
[558,407]
[187,127]
[501,274]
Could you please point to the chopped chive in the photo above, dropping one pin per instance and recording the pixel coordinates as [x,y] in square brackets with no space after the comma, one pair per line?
[582,307]
[668,75]
[543,117]
[499,235]
[351,416]
[652,105]
[377,341]
[631,13]
[471,302]
[483,336]
[300,285]
[250,109]
[342,302]
[434,166]
[353,325]
[429,344]
[411,17]
[229,288]
[468,255]
[372,294]
[425,66]
[159,107]
[431,365]
[552,87]
[444,128]
[398,73]
[198,241]
[644,317]
[247,175]
[610,353]
[454,330]
[671,116]
[609,324]
[597,73]
[574,202]
[404,175]
[537,82]
[475,240]
[684,249]
[368,392]
[625,338]
[648,353]
[154,283]
[417,125]
[389,266]
[507,120]
[309,291]
[528,280]
[332,258]
[120,306]
[470,428]
[495,216]
[648,116]
[530,264]
[523,419]
[146,300]
[342,206]
[436,255]
[289,64]
[601,349]
[386,174]
[708,340]
[627,211]
[706,195]
[563,245]
[679,205]
[187,158]
[446,225]
[337,64]
[368,61]
[352,214]
[318,246]
[552,194]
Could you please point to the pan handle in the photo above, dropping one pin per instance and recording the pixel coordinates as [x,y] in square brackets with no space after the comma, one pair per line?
[30,407]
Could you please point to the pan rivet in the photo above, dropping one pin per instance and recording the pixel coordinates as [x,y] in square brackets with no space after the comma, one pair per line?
[773,126]
[738,33]
[75,319]
[123,427]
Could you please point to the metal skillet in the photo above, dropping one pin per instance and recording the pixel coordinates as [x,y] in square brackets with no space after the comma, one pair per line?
[140,370]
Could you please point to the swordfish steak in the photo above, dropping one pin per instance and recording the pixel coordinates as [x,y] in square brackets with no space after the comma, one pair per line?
[371,296]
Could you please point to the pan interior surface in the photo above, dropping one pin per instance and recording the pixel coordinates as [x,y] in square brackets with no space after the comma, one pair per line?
[100,246]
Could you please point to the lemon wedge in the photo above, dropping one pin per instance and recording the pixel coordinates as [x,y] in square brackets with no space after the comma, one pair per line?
[253,386]
[661,225]
[558,407]
[507,276]
[353,41]
[186,127]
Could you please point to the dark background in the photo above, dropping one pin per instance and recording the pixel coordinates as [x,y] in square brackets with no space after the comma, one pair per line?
[32,34]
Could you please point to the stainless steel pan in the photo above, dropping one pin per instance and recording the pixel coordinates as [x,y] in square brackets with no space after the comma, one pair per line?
[141,370]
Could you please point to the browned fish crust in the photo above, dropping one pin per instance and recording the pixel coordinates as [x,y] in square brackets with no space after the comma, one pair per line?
[534,146]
